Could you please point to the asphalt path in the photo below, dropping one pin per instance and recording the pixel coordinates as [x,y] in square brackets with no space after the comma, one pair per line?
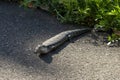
[21,30]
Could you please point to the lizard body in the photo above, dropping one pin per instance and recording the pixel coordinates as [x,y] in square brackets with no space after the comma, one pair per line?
[57,40]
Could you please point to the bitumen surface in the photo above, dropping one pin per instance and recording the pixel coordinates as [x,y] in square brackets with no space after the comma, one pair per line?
[22,29]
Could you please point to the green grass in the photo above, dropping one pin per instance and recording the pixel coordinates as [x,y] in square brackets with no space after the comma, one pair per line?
[92,13]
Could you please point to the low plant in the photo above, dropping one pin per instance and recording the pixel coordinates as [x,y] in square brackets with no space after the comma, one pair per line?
[93,13]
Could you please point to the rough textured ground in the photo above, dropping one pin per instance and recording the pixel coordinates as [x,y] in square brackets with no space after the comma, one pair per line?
[22,29]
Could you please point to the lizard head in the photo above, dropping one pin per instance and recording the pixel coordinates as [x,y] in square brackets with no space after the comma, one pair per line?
[41,49]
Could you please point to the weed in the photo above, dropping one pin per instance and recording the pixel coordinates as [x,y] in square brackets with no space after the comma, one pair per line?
[93,13]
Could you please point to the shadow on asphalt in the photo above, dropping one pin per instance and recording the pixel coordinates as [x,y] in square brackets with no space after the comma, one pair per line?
[21,30]
[48,57]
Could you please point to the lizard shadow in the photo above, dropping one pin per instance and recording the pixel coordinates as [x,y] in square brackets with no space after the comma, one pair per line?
[49,57]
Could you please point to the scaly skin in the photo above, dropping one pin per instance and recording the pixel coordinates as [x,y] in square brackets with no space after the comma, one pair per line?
[57,40]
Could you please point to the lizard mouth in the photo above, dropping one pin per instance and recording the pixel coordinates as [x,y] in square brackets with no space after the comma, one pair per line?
[44,50]
[41,49]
